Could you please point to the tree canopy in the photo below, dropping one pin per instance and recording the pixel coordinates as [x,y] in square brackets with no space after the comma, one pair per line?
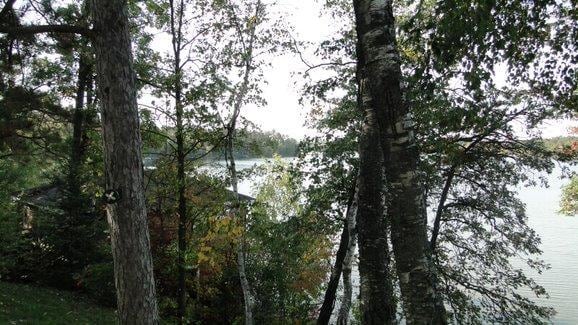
[425,119]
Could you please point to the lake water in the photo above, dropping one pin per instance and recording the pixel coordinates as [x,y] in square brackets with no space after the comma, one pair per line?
[246,185]
[559,243]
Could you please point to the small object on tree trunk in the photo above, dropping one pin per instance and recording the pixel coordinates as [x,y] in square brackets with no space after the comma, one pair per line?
[112,196]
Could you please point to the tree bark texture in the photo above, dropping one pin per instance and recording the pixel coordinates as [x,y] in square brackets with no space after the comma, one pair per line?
[379,77]
[238,99]
[176,34]
[126,210]
[248,299]
[343,316]
[78,137]
[376,305]
[330,293]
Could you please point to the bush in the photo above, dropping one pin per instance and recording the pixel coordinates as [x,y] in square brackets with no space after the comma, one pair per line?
[569,200]
[97,281]
[11,246]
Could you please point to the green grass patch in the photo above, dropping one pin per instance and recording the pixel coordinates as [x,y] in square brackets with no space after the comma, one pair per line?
[25,304]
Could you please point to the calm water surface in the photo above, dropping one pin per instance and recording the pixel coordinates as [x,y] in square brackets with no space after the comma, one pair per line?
[560,248]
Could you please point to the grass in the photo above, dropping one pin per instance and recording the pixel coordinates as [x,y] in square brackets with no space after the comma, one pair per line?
[25,304]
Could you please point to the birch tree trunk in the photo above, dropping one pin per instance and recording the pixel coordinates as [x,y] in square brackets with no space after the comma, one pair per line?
[238,99]
[248,300]
[377,305]
[343,317]
[379,76]
[125,208]
[326,309]
[330,293]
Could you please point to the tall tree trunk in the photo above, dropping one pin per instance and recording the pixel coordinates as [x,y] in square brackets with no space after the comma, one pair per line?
[77,148]
[407,212]
[343,316]
[126,212]
[249,301]
[330,293]
[238,98]
[176,33]
[182,241]
[379,82]
[377,303]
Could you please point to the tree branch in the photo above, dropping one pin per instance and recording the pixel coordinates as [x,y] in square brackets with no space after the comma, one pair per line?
[441,206]
[7,7]
[39,29]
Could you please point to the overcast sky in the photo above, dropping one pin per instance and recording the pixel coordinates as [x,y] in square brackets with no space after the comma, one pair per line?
[283,112]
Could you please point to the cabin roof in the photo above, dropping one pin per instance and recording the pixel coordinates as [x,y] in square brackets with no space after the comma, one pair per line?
[46,195]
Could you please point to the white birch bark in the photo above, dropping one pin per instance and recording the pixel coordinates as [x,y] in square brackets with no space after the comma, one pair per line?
[343,316]
[379,76]
[238,99]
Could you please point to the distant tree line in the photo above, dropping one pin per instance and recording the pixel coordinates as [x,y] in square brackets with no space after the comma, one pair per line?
[558,143]
[248,145]
[265,144]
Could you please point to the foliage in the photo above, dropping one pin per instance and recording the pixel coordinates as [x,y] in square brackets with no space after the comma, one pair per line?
[480,77]
[567,147]
[211,283]
[27,122]
[219,296]
[249,145]
[57,247]
[12,244]
[67,232]
[286,288]
[16,173]
[34,305]
[97,281]
[454,53]
[287,259]
[569,200]
[561,143]
[469,132]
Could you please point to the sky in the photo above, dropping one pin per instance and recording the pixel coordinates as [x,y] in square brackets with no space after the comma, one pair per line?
[283,113]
